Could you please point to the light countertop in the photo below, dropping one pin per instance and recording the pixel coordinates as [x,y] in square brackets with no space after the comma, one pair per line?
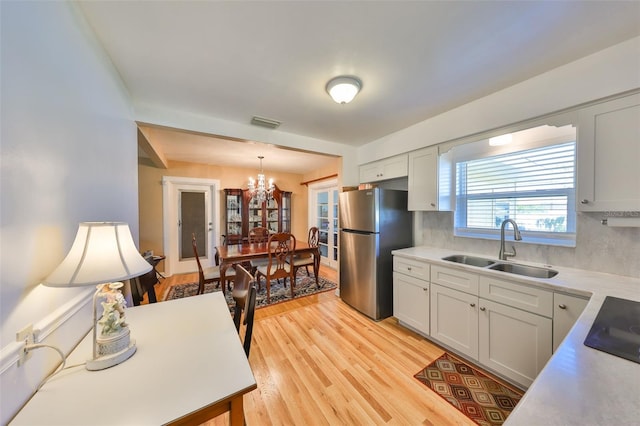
[579,385]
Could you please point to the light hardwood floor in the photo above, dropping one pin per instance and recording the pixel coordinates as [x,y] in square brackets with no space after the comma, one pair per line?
[317,361]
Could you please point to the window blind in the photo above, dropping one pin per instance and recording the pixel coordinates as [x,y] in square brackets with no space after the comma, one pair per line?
[534,187]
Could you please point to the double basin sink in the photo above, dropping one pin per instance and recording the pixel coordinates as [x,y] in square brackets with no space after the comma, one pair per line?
[496,265]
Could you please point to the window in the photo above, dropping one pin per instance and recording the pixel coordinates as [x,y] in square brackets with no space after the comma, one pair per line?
[535,187]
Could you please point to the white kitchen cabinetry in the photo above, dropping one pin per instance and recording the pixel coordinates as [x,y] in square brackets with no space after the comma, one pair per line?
[411,302]
[515,336]
[608,156]
[423,179]
[389,168]
[454,319]
[512,342]
[429,180]
[411,293]
[566,310]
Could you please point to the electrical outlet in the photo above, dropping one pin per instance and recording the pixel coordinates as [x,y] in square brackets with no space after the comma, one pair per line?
[25,336]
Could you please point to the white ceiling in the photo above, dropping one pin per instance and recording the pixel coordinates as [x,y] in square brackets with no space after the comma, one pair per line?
[416,59]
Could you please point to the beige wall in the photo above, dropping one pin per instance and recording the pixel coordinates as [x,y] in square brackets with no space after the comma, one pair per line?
[150,194]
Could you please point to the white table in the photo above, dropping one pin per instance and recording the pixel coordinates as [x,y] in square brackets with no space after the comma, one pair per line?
[190,366]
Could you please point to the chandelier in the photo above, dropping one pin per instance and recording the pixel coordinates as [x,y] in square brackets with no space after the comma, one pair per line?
[260,192]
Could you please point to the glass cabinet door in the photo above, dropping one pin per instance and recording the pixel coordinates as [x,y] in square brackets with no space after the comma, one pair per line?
[255,214]
[271,210]
[286,212]
[233,208]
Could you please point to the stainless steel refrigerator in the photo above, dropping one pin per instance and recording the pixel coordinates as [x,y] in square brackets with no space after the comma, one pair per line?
[372,223]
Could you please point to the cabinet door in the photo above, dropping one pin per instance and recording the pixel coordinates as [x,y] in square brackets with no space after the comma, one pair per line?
[566,310]
[608,156]
[389,168]
[423,179]
[454,319]
[411,302]
[514,343]
[233,216]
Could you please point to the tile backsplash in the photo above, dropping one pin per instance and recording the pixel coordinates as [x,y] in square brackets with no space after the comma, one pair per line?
[600,248]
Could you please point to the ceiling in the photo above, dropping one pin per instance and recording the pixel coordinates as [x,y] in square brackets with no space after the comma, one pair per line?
[416,59]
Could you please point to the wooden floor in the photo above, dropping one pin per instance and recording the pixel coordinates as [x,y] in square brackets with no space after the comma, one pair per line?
[317,361]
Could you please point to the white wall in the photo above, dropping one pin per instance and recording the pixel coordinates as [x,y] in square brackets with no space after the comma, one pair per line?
[68,154]
[605,73]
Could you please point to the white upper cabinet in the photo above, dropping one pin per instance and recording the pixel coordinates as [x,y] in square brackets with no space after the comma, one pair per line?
[389,168]
[609,156]
[423,179]
[429,177]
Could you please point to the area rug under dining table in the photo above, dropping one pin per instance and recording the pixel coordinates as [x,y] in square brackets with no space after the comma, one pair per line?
[305,286]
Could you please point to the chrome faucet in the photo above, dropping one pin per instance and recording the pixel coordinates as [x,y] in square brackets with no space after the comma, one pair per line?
[516,236]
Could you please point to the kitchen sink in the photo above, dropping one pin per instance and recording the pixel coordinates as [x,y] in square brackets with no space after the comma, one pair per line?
[529,271]
[469,260]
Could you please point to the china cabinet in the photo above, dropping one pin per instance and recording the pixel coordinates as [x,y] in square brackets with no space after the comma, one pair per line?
[243,213]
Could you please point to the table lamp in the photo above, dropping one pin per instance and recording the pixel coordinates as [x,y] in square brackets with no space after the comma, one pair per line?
[102,254]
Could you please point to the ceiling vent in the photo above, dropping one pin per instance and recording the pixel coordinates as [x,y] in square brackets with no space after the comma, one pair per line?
[265,122]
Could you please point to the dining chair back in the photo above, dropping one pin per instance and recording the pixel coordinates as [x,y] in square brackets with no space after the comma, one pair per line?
[282,247]
[244,295]
[307,259]
[210,274]
[259,235]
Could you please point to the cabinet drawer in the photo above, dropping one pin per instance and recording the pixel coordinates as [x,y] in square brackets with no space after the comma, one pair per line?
[455,279]
[518,296]
[411,267]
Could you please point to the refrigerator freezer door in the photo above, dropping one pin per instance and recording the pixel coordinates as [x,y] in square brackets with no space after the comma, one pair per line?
[358,268]
[359,210]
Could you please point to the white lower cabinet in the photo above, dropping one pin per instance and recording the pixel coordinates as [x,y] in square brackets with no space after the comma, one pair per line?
[511,328]
[566,310]
[514,343]
[411,302]
[454,319]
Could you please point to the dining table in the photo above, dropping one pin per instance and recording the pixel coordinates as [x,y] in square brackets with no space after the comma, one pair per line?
[189,367]
[229,255]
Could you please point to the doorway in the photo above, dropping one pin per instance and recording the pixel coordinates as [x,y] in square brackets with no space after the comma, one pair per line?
[190,206]
[323,213]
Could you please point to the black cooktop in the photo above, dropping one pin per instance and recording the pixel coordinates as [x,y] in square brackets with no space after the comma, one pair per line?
[616,329]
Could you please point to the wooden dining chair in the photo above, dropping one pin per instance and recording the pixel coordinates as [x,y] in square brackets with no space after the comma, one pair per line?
[282,248]
[210,274]
[306,259]
[258,235]
[244,295]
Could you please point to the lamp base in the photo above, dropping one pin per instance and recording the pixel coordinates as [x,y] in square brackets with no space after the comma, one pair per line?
[112,351]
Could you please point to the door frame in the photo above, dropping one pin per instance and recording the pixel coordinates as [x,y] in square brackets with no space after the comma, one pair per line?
[170,187]
[327,185]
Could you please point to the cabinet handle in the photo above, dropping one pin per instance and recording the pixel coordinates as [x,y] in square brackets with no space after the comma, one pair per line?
[483,309]
[585,201]
[472,305]
[562,306]
[408,268]
[425,289]
[433,204]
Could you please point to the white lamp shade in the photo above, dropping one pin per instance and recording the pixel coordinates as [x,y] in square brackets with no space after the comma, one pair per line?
[102,252]
[343,89]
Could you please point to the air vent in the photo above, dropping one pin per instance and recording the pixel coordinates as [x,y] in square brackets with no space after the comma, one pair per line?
[265,122]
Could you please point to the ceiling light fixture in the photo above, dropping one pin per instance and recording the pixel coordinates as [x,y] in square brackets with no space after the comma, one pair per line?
[261,192]
[501,140]
[344,88]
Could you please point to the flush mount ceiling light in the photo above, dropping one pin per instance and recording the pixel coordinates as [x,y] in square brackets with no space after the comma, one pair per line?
[344,88]
[501,140]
